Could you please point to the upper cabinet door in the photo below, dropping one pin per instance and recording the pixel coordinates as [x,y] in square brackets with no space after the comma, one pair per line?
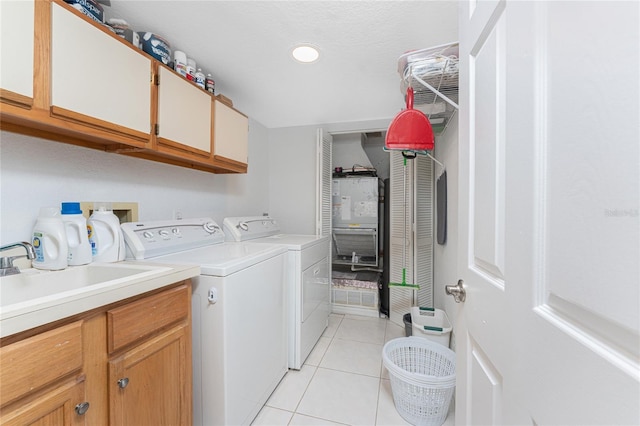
[16,39]
[98,79]
[231,135]
[184,116]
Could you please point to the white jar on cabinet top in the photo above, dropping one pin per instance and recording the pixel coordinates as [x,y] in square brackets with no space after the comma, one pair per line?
[105,235]
[75,226]
[49,240]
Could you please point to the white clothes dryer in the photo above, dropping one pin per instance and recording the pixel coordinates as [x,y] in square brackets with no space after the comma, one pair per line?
[307,279]
[239,324]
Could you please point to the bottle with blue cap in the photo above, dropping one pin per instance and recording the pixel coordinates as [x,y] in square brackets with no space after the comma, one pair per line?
[75,226]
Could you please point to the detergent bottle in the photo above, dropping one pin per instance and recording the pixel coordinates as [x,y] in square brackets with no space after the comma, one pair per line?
[49,240]
[105,234]
[75,226]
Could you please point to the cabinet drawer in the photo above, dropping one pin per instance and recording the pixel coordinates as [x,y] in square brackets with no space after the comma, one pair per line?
[139,319]
[33,363]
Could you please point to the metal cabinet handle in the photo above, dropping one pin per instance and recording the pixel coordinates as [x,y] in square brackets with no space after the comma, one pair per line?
[122,383]
[457,291]
[82,408]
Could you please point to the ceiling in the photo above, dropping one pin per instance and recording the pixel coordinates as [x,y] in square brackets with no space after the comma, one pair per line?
[246,46]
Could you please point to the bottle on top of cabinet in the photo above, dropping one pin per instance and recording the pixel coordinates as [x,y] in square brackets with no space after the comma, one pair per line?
[49,240]
[180,63]
[210,84]
[191,69]
[200,78]
[105,234]
[77,235]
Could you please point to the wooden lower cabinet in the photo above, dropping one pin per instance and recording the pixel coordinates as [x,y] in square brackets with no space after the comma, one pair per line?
[60,406]
[68,374]
[148,384]
[150,372]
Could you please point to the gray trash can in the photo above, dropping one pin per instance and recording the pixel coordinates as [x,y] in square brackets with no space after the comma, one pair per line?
[408,329]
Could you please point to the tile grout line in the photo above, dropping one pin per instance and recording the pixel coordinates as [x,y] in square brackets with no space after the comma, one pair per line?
[314,374]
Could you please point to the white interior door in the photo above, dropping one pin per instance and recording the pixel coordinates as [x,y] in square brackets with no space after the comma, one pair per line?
[548,213]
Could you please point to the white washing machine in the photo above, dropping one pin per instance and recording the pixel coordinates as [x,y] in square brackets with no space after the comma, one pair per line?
[307,274]
[239,324]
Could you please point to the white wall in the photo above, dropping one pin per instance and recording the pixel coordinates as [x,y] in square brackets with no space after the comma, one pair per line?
[36,172]
[348,151]
[292,167]
[445,256]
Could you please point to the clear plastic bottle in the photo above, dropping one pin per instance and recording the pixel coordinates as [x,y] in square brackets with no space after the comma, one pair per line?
[210,84]
[105,234]
[200,78]
[77,236]
[49,240]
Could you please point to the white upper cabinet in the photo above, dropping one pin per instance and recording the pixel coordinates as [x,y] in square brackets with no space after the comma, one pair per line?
[17,45]
[230,134]
[184,114]
[98,76]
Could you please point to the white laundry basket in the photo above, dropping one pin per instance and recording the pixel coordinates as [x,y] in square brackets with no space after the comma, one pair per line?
[423,379]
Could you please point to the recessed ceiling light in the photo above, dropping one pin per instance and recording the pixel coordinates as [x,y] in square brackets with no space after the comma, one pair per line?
[305,53]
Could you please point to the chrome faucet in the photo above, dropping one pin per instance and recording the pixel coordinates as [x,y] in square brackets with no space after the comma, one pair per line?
[6,263]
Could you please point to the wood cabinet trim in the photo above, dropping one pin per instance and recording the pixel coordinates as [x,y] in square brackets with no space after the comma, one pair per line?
[15,99]
[42,55]
[98,124]
[170,146]
[230,164]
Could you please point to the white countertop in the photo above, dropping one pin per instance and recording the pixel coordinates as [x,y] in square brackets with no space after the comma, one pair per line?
[39,309]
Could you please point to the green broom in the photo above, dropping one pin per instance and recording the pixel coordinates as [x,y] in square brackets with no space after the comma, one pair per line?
[404,247]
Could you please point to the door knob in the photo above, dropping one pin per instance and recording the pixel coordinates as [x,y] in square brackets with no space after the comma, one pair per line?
[457,291]
[122,383]
[82,408]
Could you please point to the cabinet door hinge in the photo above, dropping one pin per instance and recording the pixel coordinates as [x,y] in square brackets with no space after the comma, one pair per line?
[156,129]
[155,78]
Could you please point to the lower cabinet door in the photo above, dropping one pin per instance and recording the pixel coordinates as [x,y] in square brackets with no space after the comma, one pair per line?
[64,406]
[150,384]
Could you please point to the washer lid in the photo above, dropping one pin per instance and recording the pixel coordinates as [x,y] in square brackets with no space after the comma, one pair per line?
[293,241]
[221,260]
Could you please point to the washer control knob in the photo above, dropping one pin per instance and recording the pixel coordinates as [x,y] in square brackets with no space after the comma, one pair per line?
[147,234]
[210,227]
[175,231]
[244,226]
[164,233]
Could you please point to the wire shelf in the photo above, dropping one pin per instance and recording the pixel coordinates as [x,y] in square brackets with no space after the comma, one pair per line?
[433,75]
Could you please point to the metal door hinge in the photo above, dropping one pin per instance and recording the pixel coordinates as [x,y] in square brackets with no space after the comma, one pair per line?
[155,78]
[156,129]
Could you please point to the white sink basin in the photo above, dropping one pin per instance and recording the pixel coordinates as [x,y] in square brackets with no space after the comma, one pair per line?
[33,284]
[35,297]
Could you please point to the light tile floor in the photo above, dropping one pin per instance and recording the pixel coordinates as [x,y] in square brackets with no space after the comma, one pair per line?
[342,382]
